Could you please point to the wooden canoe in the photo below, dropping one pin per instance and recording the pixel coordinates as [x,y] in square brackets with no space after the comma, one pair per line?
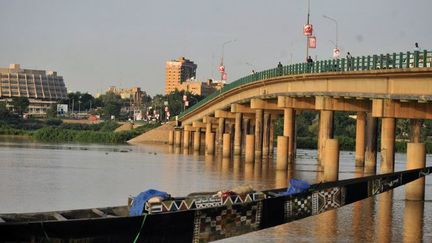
[197,219]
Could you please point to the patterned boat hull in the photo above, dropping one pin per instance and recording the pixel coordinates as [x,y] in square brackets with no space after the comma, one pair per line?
[192,223]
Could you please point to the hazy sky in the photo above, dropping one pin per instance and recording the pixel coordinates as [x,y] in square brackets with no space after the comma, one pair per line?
[96,44]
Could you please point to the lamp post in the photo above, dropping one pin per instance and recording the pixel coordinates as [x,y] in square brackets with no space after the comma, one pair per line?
[221,67]
[307,37]
[336,23]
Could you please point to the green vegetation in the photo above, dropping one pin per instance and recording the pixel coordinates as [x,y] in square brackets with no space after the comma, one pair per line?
[79,133]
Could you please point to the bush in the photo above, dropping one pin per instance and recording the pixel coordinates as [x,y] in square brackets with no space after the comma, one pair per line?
[53,122]
[50,134]
[307,142]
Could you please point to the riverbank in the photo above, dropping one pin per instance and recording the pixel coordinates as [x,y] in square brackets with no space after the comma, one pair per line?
[54,130]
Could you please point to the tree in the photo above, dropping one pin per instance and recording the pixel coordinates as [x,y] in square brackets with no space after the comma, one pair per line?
[52,111]
[20,104]
[112,104]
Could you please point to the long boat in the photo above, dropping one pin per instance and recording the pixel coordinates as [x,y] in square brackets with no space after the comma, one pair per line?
[197,218]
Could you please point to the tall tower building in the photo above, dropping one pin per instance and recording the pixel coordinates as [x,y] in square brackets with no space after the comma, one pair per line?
[177,72]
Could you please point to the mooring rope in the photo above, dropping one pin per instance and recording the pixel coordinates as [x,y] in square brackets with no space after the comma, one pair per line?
[45,234]
[142,225]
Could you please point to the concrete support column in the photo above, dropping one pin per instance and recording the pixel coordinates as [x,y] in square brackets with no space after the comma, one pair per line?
[282,153]
[208,129]
[360,139]
[415,132]
[197,140]
[231,132]
[171,137]
[186,139]
[387,145]
[220,132]
[210,143]
[325,131]
[266,135]
[258,133]
[289,131]
[177,138]
[331,160]
[246,125]
[238,133]
[226,149]
[249,153]
[271,145]
[371,144]
[416,158]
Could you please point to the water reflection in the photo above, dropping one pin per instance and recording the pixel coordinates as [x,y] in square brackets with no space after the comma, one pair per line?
[413,221]
[384,217]
[53,176]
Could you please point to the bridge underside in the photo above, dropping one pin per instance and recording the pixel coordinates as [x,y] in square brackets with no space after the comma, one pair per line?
[386,93]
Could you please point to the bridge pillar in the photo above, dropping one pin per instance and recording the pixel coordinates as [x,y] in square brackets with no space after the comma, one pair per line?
[266,135]
[220,132]
[210,143]
[360,139]
[249,153]
[231,133]
[282,153]
[289,131]
[246,128]
[331,160]
[197,139]
[258,133]
[186,139]
[416,158]
[171,137]
[207,132]
[325,131]
[226,149]
[271,148]
[238,133]
[387,144]
[415,133]
[371,144]
[177,138]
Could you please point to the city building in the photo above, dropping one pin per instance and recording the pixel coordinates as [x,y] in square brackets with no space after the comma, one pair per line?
[134,94]
[181,74]
[42,88]
[197,87]
[177,72]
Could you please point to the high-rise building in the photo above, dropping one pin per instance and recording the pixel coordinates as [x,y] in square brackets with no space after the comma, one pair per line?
[177,72]
[42,88]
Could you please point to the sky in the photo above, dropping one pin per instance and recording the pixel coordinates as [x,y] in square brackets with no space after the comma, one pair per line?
[95,44]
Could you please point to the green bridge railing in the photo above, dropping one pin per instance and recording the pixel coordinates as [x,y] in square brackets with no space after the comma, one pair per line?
[414,59]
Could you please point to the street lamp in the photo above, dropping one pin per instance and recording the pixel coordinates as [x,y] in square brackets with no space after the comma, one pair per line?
[307,37]
[336,23]
[221,67]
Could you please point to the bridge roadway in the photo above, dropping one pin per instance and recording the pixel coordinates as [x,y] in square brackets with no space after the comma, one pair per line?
[383,87]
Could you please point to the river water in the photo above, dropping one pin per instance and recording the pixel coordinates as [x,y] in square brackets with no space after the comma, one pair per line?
[47,177]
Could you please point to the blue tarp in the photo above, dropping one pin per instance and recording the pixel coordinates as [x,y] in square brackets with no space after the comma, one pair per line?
[296,186]
[139,201]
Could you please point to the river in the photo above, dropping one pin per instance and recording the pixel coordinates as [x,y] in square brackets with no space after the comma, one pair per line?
[47,177]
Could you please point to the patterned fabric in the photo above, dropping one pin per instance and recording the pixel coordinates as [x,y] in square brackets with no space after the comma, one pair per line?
[201,202]
[219,223]
[315,203]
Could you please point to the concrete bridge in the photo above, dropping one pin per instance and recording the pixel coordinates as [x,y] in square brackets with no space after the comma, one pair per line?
[240,118]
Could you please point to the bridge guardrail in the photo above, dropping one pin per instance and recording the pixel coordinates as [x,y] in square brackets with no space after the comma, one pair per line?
[416,59]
